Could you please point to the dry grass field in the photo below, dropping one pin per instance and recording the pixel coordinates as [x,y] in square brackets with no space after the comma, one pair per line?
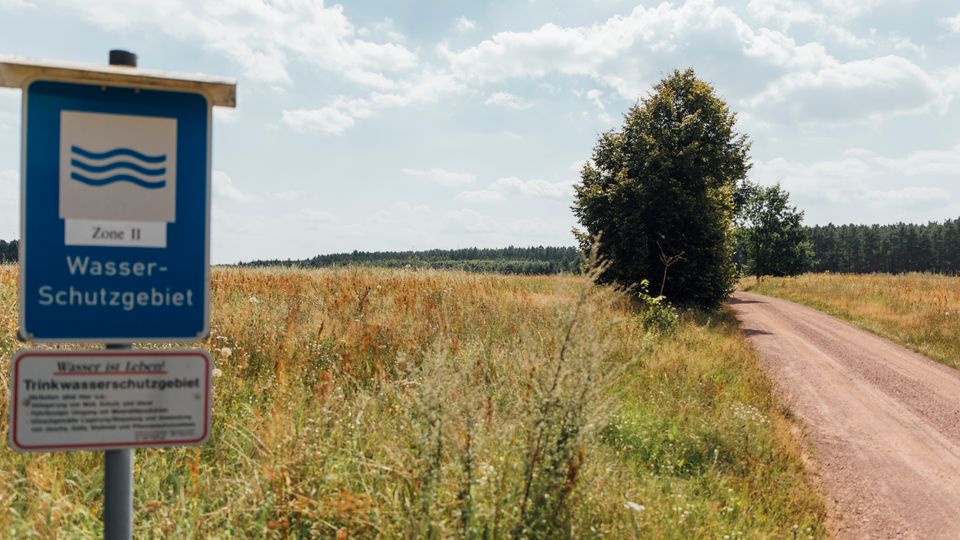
[919,311]
[390,403]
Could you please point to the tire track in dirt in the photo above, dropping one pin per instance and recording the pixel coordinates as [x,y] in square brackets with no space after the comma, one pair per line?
[884,421]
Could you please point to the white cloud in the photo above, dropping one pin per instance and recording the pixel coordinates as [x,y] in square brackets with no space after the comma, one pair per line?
[788,13]
[850,92]
[784,12]
[953,23]
[342,114]
[464,24]
[551,48]
[534,188]
[628,52]
[384,28]
[595,97]
[910,196]
[510,101]
[334,119]
[846,37]
[263,37]
[924,163]
[780,50]
[849,9]
[226,115]
[224,187]
[951,81]
[862,163]
[440,176]
[903,43]
[480,196]
[871,183]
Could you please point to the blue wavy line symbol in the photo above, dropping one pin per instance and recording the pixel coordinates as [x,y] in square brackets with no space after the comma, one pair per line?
[134,167]
[129,152]
[97,182]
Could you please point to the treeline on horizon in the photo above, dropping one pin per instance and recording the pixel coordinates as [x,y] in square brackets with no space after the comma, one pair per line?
[892,249]
[864,249]
[538,260]
[9,251]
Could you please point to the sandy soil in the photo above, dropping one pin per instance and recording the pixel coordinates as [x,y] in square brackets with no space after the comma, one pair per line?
[884,421]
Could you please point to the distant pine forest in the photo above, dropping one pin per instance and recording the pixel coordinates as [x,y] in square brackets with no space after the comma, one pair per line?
[894,249]
[865,249]
[510,260]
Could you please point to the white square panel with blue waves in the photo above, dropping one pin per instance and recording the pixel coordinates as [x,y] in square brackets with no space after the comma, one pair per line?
[118,178]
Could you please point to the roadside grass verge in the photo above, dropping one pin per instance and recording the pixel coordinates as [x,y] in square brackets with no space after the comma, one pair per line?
[919,311]
[419,404]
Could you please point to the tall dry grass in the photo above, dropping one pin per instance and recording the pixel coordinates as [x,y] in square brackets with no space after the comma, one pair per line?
[390,403]
[920,311]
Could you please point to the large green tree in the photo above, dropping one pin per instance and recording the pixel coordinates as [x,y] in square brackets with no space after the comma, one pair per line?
[773,241]
[659,193]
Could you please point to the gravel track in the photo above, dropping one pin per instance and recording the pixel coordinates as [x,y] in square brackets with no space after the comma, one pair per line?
[884,422]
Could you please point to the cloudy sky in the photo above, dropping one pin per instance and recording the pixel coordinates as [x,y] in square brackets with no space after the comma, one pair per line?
[413,124]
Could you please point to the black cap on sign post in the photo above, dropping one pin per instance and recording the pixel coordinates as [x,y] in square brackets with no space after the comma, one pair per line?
[120,57]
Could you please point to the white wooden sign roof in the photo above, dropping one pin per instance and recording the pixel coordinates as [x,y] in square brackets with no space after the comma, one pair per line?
[16,72]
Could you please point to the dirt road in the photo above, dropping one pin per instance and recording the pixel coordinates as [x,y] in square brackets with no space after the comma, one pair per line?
[884,421]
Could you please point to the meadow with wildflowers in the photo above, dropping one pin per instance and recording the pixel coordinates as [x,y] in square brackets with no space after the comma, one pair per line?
[400,403]
[918,310]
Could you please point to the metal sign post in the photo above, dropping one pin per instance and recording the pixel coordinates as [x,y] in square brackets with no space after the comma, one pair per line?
[118,494]
[118,480]
[114,247]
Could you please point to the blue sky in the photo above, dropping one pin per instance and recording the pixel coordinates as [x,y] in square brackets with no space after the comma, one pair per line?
[402,124]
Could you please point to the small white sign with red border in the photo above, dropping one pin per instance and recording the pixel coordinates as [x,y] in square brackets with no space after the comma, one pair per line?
[101,400]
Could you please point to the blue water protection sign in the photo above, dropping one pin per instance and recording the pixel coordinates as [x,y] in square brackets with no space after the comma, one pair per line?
[115,214]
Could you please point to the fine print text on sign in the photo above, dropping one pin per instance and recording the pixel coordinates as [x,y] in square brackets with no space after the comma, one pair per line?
[86,400]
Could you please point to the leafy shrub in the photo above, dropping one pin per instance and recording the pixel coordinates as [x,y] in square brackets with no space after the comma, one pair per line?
[657,313]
